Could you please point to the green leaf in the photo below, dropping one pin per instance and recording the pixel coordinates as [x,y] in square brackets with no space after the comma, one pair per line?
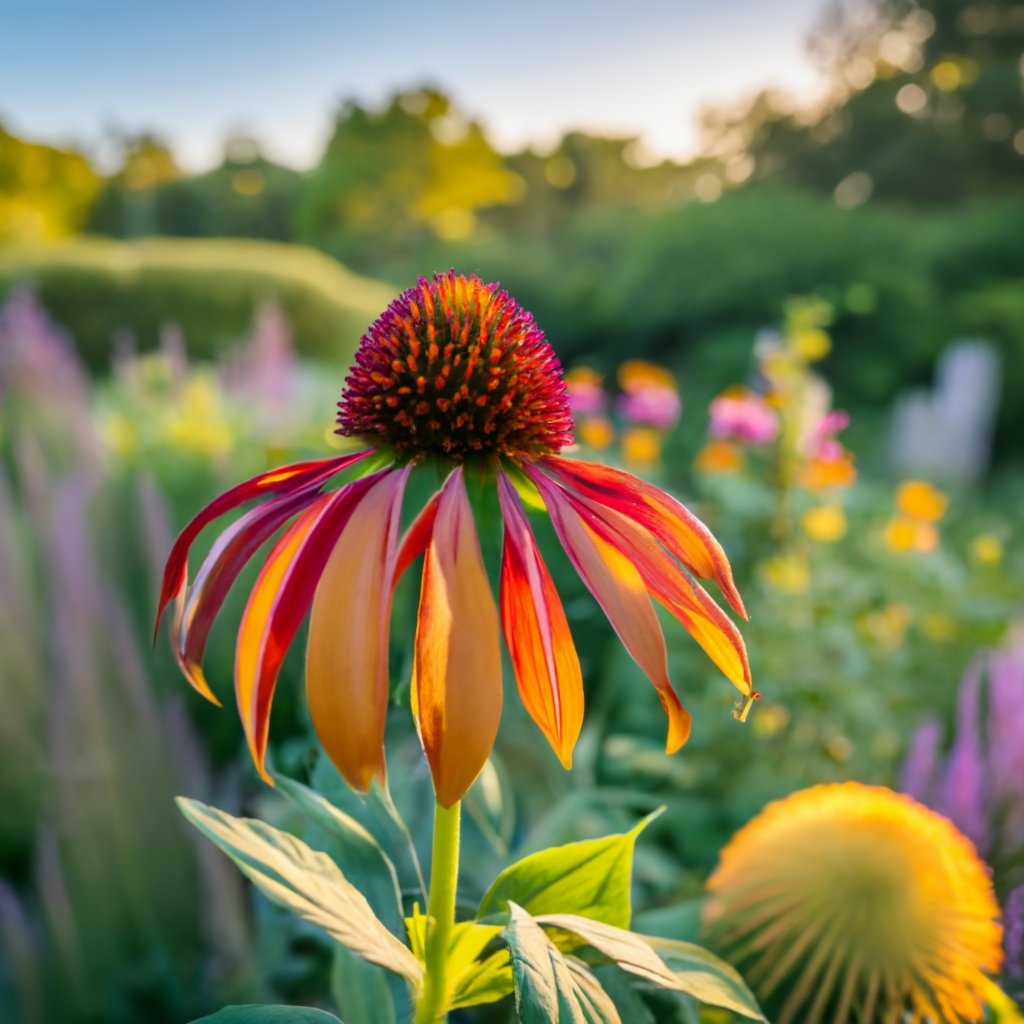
[356,851]
[489,981]
[365,993]
[695,971]
[471,981]
[548,988]
[591,878]
[268,1015]
[706,977]
[306,882]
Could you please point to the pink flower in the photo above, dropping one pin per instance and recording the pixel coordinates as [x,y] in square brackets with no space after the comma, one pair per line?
[743,415]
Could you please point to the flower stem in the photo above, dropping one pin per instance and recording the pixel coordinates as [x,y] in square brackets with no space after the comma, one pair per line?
[444,872]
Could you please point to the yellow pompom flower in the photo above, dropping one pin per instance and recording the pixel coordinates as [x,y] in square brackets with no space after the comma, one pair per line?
[719,457]
[918,499]
[851,903]
[641,447]
[824,523]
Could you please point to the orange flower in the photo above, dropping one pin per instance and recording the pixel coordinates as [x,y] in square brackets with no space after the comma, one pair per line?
[456,374]
[719,457]
[920,500]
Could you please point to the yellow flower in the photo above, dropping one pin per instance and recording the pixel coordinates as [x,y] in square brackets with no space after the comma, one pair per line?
[905,534]
[986,549]
[789,574]
[595,432]
[920,500]
[719,457]
[825,523]
[811,344]
[641,447]
[852,903]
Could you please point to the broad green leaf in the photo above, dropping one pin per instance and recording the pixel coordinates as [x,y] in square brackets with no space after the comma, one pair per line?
[365,993]
[356,851]
[268,1015]
[702,975]
[471,981]
[306,882]
[706,977]
[591,878]
[547,988]
[489,981]
[597,1004]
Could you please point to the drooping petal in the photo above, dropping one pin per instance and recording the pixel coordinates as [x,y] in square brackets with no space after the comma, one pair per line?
[547,668]
[279,601]
[226,559]
[277,481]
[668,583]
[347,655]
[669,520]
[252,632]
[456,684]
[620,591]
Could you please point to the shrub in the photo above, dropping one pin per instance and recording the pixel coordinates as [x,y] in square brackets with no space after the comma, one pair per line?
[97,288]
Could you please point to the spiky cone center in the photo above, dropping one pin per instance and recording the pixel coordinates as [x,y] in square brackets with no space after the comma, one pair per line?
[456,368]
[852,903]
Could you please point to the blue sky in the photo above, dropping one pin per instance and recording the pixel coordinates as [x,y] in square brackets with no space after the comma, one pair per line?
[195,70]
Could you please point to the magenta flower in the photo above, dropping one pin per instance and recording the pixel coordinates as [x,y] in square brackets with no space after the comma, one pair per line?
[743,415]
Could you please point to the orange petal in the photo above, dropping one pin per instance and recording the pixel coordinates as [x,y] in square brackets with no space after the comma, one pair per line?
[669,584]
[456,683]
[669,520]
[544,657]
[282,480]
[347,655]
[253,627]
[620,591]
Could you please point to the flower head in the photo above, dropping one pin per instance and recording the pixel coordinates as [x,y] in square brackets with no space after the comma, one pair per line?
[454,374]
[649,396]
[743,415]
[455,367]
[854,903]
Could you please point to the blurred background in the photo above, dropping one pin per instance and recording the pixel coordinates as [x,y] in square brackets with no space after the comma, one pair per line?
[746,230]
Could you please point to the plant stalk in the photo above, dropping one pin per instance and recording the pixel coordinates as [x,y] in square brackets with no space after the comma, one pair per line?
[444,873]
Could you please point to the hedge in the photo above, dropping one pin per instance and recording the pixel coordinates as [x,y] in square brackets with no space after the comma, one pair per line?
[96,288]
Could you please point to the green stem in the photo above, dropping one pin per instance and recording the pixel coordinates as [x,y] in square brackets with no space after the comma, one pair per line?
[444,872]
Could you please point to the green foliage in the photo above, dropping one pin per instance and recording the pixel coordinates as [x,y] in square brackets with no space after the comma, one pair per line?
[45,192]
[268,1015]
[548,985]
[591,878]
[308,883]
[98,289]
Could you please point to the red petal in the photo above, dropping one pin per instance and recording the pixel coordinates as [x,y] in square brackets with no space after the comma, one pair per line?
[417,537]
[669,584]
[620,591]
[544,657]
[226,559]
[668,519]
[277,481]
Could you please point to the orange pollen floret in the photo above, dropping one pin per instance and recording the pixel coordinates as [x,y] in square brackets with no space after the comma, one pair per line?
[454,367]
